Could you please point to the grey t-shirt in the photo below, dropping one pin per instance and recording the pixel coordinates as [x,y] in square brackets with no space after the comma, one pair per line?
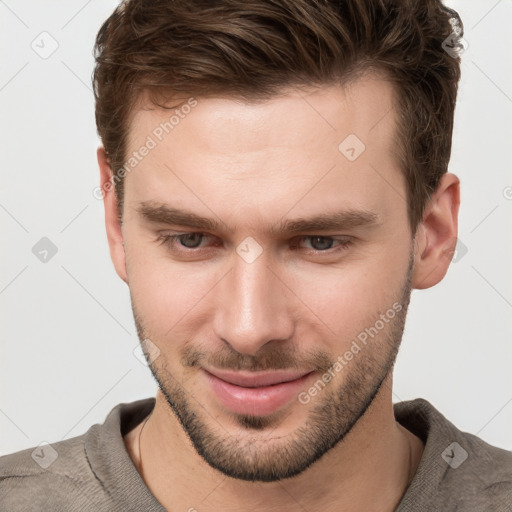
[457,472]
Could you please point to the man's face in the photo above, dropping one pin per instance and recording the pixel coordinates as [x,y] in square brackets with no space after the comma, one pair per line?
[249,293]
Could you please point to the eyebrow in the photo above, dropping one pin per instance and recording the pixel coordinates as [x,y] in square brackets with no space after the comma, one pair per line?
[159,213]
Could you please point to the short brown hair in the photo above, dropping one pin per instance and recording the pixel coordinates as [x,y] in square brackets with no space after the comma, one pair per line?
[253,49]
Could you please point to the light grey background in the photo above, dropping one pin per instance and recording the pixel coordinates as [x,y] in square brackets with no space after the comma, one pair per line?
[66,354]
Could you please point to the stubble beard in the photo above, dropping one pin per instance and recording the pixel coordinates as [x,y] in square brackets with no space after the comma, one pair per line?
[334,411]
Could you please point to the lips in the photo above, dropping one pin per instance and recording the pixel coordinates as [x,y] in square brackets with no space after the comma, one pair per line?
[256,393]
[257,379]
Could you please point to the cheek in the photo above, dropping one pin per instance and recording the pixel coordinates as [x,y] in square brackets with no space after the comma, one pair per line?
[167,294]
[343,300]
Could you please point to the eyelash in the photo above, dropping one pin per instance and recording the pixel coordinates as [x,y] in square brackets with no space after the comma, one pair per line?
[171,240]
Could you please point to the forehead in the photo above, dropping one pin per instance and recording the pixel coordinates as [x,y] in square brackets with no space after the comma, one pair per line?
[329,143]
[358,107]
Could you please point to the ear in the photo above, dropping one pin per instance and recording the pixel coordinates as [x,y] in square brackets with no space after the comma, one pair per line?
[112,219]
[436,236]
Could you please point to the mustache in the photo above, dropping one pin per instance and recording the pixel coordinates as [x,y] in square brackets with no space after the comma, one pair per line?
[270,359]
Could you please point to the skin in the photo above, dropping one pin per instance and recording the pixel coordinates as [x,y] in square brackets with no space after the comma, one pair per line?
[249,166]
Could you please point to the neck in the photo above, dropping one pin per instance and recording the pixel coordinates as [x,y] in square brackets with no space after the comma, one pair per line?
[378,455]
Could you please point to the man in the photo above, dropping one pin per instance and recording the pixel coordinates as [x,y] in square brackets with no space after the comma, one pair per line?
[275,183]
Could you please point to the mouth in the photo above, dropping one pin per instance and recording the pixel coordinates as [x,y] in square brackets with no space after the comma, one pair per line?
[256,393]
[257,379]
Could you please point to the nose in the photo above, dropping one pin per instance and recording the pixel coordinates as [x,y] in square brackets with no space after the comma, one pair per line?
[253,308]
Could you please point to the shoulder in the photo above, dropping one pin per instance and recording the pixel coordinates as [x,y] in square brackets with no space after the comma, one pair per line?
[92,471]
[39,477]
[458,470]
[482,471]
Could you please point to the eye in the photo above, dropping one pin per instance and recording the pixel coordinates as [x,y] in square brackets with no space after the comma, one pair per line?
[184,240]
[190,240]
[193,242]
[325,243]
